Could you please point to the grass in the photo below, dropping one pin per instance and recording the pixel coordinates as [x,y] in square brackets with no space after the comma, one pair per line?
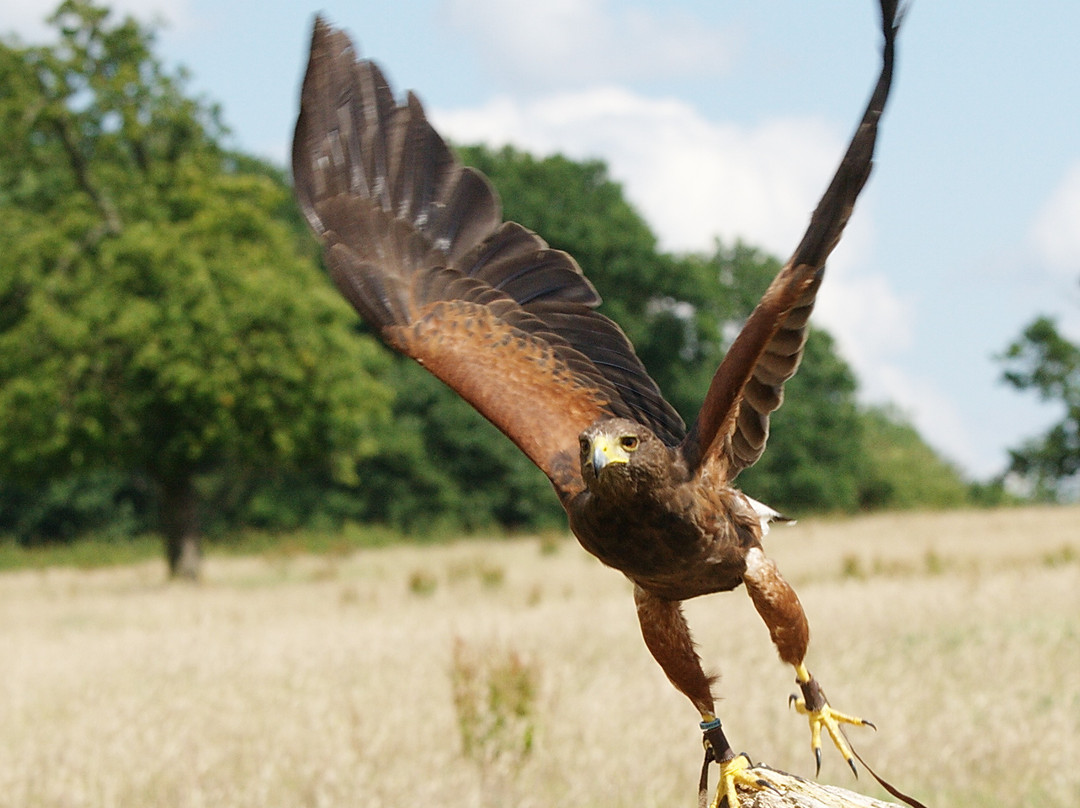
[96,553]
[291,679]
[494,696]
[89,554]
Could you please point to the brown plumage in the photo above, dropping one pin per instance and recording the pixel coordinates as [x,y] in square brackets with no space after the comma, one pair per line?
[417,244]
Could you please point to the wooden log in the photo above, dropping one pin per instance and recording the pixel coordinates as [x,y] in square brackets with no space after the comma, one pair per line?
[792,791]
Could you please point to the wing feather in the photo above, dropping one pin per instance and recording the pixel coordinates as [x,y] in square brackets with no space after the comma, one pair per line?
[733,425]
[415,241]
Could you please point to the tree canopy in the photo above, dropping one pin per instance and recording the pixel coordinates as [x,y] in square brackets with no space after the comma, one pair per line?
[159,311]
[1044,361]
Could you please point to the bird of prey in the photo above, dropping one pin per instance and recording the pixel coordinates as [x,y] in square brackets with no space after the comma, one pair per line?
[416,242]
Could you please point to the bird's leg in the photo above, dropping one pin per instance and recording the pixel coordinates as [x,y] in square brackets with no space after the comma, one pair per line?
[667,637]
[779,607]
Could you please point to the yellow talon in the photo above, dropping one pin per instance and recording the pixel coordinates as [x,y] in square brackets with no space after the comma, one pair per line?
[813,705]
[733,772]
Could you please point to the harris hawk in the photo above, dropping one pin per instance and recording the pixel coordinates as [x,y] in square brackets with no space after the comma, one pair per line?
[416,242]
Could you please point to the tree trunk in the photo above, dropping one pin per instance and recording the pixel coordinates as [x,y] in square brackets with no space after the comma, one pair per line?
[179,512]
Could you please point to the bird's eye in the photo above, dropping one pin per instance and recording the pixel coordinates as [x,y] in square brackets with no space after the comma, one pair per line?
[629,442]
[584,444]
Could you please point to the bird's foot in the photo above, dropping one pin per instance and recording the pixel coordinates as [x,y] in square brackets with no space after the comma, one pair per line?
[815,707]
[736,771]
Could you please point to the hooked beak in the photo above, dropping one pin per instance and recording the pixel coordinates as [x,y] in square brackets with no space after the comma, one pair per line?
[606,452]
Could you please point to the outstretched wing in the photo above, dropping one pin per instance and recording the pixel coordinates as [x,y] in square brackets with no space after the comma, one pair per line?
[733,425]
[416,243]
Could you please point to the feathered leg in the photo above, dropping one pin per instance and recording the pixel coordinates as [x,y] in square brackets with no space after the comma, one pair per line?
[779,607]
[668,638]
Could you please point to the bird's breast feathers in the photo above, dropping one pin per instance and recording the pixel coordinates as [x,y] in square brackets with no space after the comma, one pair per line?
[673,547]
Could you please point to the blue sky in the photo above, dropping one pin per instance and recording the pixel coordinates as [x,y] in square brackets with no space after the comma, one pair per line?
[727,119]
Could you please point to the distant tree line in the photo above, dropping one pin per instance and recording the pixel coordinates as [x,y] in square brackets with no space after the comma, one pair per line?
[173,358]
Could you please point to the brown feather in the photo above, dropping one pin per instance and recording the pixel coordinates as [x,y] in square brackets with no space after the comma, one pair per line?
[726,435]
[778,606]
[415,242]
[465,344]
[667,636]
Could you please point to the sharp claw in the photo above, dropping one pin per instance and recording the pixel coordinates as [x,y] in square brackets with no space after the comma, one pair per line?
[870,724]
[768,785]
[825,717]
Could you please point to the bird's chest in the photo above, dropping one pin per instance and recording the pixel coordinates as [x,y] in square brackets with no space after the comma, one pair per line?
[679,548]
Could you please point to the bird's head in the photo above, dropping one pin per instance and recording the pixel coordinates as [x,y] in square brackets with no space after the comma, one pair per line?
[622,456]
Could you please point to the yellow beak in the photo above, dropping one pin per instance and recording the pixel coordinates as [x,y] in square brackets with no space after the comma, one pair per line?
[606,451]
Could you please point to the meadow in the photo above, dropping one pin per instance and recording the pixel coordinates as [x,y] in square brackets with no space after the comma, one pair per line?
[511,673]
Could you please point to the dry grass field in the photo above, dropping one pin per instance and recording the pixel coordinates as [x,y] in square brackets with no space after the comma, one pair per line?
[511,673]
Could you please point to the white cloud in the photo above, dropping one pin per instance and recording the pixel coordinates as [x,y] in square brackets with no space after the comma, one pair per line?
[869,320]
[691,178]
[936,416]
[874,327]
[560,42]
[1054,235]
[1055,232]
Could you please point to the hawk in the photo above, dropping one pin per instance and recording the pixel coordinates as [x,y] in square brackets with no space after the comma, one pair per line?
[416,242]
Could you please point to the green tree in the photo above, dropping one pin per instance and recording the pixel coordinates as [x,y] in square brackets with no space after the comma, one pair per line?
[105,503]
[1041,359]
[902,470]
[158,310]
